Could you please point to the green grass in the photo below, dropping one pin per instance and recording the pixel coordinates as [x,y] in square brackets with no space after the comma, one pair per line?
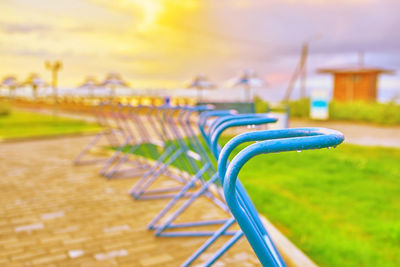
[152,151]
[340,206]
[5,108]
[19,124]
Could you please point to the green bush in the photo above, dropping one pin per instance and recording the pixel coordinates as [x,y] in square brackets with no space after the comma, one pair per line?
[260,106]
[5,108]
[379,113]
[299,108]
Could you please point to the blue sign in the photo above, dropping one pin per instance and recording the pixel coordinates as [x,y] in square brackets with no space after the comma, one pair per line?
[319,109]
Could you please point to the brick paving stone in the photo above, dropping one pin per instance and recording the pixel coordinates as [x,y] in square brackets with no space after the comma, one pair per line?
[156,260]
[49,259]
[57,214]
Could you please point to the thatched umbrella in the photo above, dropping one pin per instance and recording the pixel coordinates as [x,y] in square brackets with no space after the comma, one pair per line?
[11,83]
[113,80]
[200,82]
[35,82]
[90,83]
[248,79]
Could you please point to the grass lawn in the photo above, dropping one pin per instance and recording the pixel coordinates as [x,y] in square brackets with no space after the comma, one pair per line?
[340,206]
[25,124]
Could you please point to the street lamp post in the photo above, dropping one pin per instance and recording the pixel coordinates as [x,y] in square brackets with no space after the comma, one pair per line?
[54,68]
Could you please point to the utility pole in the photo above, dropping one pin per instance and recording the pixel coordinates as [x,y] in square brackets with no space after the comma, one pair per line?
[303,77]
[54,68]
[301,71]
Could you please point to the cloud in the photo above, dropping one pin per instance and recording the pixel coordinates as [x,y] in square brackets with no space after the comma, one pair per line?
[24,28]
[174,39]
[80,29]
[31,53]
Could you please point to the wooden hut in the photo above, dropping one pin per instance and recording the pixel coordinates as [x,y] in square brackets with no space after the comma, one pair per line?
[355,83]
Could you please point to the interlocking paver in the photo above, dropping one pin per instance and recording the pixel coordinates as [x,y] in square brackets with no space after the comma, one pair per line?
[54,213]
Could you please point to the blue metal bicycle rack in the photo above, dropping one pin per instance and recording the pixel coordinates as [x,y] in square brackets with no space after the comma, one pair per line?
[171,154]
[216,128]
[273,141]
[110,134]
[111,168]
[206,165]
[138,135]
[196,171]
[161,229]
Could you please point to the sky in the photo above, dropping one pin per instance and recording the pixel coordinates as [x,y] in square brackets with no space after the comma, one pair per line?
[162,43]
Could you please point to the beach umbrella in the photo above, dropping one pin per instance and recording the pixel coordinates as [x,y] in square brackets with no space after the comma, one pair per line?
[200,82]
[112,81]
[90,83]
[11,83]
[248,79]
[35,82]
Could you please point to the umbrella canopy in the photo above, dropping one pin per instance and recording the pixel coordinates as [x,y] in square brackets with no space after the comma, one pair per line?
[9,81]
[89,82]
[34,80]
[114,79]
[200,81]
[246,78]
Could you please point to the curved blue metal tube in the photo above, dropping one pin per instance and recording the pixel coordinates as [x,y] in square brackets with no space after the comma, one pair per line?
[221,125]
[283,140]
[259,136]
[221,120]
[204,116]
[236,122]
[243,196]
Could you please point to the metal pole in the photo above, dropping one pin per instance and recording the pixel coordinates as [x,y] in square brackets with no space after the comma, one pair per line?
[54,68]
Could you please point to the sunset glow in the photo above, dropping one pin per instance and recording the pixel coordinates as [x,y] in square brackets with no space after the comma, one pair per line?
[161,43]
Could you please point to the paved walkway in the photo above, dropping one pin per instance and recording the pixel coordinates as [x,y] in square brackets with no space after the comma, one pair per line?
[357,133]
[53,213]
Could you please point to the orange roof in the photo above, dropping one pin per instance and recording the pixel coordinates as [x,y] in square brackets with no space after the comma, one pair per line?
[355,70]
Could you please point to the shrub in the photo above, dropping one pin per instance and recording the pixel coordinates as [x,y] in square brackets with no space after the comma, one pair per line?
[299,108]
[5,108]
[380,113]
[260,106]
